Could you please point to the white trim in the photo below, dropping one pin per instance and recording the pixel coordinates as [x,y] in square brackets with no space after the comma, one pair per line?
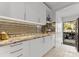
[8,19]
[70,18]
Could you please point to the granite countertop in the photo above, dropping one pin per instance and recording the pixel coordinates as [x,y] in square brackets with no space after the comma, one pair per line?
[23,38]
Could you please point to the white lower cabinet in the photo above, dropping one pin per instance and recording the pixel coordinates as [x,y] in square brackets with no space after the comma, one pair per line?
[35,47]
[26,49]
[49,38]
[4,51]
[53,41]
[46,44]
[16,49]
[20,49]
[12,50]
[32,48]
[35,12]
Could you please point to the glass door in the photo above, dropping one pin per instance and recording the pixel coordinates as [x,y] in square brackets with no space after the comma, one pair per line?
[69,33]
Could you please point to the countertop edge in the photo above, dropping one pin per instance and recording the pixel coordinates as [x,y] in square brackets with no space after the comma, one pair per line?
[22,40]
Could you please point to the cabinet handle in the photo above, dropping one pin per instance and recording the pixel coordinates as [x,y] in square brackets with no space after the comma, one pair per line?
[20,55]
[15,44]
[16,51]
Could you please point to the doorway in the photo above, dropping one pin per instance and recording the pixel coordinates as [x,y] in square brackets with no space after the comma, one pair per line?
[69,33]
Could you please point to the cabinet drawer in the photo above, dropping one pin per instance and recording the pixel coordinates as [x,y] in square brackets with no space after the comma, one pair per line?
[4,49]
[17,53]
[15,46]
[9,48]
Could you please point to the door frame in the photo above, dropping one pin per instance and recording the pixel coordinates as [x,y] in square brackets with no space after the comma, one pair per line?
[77,47]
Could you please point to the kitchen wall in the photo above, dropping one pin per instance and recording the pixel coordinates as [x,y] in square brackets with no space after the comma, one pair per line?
[72,12]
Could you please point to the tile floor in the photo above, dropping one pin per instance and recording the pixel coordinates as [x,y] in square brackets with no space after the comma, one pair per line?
[63,51]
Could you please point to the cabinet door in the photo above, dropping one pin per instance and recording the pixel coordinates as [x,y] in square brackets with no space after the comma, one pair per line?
[47,43]
[16,49]
[32,11]
[44,48]
[12,50]
[53,40]
[26,48]
[4,51]
[4,9]
[49,12]
[42,13]
[17,10]
[35,48]
[41,47]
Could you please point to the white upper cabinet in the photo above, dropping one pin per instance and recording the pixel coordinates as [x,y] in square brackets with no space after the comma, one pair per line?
[42,13]
[35,12]
[49,12]
[31,11]
[17,10]
[4,9]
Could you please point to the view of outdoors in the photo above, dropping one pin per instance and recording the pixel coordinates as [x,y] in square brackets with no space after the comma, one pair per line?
[69,26]
[69,33]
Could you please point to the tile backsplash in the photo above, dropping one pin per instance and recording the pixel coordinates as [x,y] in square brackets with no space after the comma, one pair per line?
[18,29]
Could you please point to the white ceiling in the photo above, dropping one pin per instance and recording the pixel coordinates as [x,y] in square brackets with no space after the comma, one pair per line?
[58,5]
